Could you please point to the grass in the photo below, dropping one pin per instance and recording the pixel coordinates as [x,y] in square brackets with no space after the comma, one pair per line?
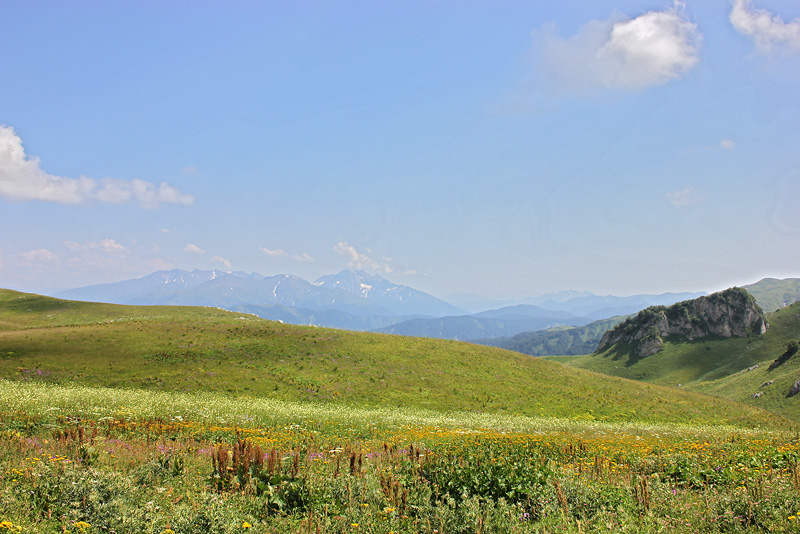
[773,294]
[561,359]
[170,420]
[718,366]
[79,459]
[202,349]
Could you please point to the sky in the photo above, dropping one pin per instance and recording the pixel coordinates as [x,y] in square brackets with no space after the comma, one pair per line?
[503,149]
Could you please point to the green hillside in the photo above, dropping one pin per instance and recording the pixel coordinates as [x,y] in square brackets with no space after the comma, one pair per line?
[558,341]
[717,365]
[773,294]
[204,349]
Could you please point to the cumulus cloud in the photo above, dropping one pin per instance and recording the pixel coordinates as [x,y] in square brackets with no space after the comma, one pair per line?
[628,54]
[358,260]
[223,261]
[191,248]
[22,178]
[684,197]
[768,31]
[273,253]
[727,144]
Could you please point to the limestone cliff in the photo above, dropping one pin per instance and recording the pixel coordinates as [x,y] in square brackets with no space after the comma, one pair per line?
[733,312]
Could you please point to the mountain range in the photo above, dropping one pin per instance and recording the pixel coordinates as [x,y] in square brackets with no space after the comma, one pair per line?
[356,300]
[351,292]
[557,341]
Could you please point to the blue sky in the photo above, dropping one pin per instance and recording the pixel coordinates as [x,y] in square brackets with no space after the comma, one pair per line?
[504,149]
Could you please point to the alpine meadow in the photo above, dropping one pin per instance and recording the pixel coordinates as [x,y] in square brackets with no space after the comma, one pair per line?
[400,267]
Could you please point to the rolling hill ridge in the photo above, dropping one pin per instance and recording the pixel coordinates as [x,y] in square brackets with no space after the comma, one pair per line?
[205,349]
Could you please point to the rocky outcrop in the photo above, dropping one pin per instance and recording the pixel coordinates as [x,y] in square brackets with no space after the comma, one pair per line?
[730,313]
[791,350]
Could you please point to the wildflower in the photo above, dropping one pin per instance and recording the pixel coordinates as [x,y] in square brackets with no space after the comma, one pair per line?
[82,525]
[246,525]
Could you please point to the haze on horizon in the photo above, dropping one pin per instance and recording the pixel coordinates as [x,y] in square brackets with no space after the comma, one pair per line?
[503,150]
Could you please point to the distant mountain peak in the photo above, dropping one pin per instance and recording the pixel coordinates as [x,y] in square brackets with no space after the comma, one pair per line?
[355,292]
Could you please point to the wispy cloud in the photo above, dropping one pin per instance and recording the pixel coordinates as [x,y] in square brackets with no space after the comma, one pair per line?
[359,260]
[280,253]
[38,258]
[683,197]
[273,253]
[628,54]
[81,263]
[23,179]
[223,261]
[727,144]
[108,246]
[768,31]
[191,248]
[104,255]
[303,257]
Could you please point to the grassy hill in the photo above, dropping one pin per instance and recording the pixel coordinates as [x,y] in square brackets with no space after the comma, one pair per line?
[773,294]
[716,365]
[205,349]
[559,341]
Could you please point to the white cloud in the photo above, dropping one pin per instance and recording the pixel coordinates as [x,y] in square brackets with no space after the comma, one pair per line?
[280,253]
[274,253]
[223,261]
[684,197]
[112,247]
[727,144]
[107,246]
[22,179]
[38,257]
[628,54]
[766,30]
[193,249]
[305,257]
[357,260]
